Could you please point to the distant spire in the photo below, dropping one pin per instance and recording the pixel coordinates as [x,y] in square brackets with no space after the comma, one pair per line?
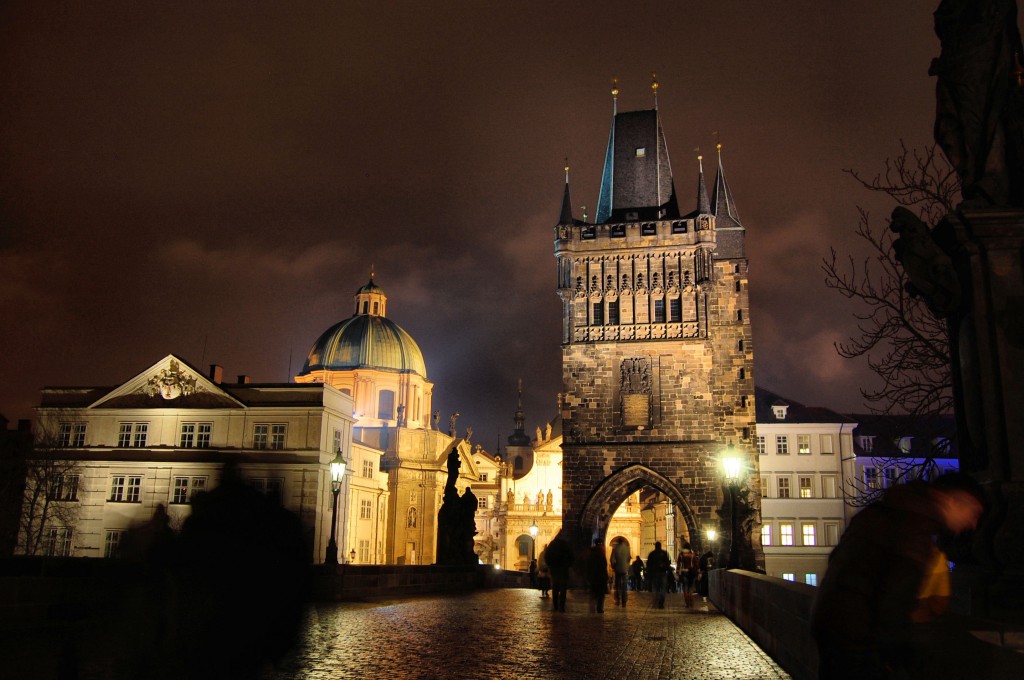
[566,216]
[615,96]
[654,88]
[518,436]
[703,207]
[723,205]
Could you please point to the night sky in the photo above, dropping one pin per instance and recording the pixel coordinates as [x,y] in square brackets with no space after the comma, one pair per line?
[216,179]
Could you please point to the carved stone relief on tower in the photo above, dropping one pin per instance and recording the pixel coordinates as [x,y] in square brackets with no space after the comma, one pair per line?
[635,390]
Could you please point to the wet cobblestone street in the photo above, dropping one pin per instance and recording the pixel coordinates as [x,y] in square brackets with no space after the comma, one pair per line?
[514,634]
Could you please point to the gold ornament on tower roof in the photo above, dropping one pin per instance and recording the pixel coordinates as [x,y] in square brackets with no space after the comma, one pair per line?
[654,82]
[615,87]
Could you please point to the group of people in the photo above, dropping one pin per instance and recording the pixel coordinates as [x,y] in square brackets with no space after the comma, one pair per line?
[620,571]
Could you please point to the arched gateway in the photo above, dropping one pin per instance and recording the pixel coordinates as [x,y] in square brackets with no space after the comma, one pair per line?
[657,354]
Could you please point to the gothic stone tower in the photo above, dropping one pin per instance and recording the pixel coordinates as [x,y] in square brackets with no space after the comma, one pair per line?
[657,356]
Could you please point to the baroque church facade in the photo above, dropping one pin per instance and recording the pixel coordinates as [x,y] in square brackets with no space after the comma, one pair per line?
[657,353]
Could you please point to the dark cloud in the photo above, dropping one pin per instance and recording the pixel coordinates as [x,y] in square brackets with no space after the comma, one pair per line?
[216,180]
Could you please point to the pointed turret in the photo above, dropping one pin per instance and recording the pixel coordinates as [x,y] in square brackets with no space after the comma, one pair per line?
[519,436]
[566,216]
[703,206]
[723,206]
[636,183]
[729,230]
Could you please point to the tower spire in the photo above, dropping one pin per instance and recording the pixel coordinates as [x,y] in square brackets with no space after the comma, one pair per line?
[723,205]
[566,215]
[518,436]
[703,206]
[654,88]
[615,96]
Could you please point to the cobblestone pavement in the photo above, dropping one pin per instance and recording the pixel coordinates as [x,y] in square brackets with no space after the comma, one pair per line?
[514,634]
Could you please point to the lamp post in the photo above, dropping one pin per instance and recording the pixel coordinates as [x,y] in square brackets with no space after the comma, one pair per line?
[534,529]
[337,474]
[352,556]
[733,467]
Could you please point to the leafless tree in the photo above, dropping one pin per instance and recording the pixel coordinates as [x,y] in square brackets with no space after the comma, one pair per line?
[905,344]
[50,507]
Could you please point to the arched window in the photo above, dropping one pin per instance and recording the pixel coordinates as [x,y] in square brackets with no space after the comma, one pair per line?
[376,306]
[411,523]
[386,405]
[523,546]
[517,464]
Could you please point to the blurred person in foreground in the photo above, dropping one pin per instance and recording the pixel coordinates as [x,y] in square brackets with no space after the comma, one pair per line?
[887,575]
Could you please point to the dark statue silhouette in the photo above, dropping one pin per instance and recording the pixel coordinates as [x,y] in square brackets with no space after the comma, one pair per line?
[456,520]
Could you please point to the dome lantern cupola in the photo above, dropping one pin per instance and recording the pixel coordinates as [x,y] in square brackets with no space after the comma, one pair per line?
[370,299]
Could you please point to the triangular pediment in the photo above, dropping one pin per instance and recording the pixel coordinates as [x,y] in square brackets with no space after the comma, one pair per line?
[465,449]
[169,383]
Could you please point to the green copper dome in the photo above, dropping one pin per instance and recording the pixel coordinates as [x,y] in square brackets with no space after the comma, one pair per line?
[366,341]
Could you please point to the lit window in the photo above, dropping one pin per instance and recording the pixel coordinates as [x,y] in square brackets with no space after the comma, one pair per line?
[783,487]
[641,151]
[811,579]
[871,478]
[786,576]
[185,489]
[71,435]
[125,488]
[779,411]
[805,487]
[112,543]
[782,445]
[766,534]
[786,534]
[365,509]
[760,444]
[132,435]
[803,444]
[368,469]
[483,476]
[808,532]
[64,487]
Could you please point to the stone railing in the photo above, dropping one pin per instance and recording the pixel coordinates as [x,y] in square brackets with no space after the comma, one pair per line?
[774,613]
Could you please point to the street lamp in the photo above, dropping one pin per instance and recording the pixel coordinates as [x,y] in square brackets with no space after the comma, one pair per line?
[337,474]
[534,529]
[352,556]
[733,467]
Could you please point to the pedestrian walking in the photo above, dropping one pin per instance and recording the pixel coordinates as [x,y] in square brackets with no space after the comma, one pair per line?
[686,564]
[533,573]
[658,566]
[620,564]
[707,563]
[559,560]
[543,573]
[636,574]
[877,586]
[597,574]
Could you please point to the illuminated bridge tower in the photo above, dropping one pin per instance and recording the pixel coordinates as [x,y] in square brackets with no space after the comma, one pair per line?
[657,357]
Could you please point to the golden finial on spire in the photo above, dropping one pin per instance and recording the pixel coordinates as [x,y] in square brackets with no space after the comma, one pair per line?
[371,271]
[654,87]
[567,170]
[615,88]
[584,209]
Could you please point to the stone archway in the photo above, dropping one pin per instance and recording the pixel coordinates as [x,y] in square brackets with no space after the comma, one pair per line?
[619,485]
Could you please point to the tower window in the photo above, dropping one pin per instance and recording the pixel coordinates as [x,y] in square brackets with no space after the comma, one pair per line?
[675,310]
[366,306]
[739,315]
[376,306]
[613,312]
[598,314]
[659,311]
[648,229]
[679,227]
[386,405]
[739,345]
[618,231]
[641,152]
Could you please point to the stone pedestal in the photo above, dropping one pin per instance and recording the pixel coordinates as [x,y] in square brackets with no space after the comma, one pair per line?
[987,337]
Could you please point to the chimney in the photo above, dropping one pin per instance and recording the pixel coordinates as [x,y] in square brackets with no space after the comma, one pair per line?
[216,373]
[244,380]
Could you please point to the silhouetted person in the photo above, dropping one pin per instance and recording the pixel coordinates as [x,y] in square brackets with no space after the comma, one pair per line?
[658,567]
[686,564]
[597,574]
[620,564]
[636,573]
[707,563]
[559,559]
[864,610]
[244,574]
[543,573]
[533,573]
